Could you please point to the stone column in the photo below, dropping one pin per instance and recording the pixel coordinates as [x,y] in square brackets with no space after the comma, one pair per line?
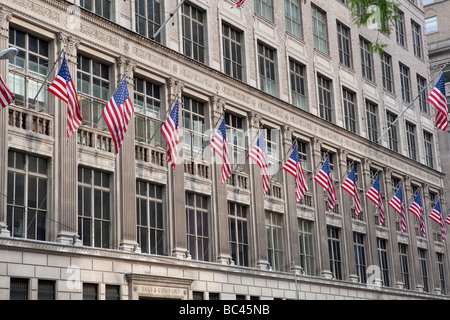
[219,194]
[369,209]
[175,181]
[5,17]
[432,257]
[66,166]
[126,173]
[321,219]
[347,231]
[290,200]
[257,197]
[395,274]
[414,267]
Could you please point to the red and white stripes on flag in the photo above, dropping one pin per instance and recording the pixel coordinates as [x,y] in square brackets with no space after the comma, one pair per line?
[416,208]
[117,114]
[169,130]
[436,215]
[397,204]
[238,4]
[258,153]
[293,165]
[219,143]
[6,96]
[375,195]
[325,179]
[438,99]
[63,88]
[351,187]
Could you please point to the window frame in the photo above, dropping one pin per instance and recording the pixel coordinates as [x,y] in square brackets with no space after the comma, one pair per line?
[196,20]
[198,241]
[232,43]
[240,230]
[319,21]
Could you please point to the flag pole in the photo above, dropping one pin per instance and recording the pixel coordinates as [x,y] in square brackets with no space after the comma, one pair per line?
[410,104]
[167,112]
[48,75]
[167,19]
[283,160]
[101,116]
[204,144]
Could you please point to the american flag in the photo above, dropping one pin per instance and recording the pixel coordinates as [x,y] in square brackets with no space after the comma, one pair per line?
[375,195]
[63,88]
[438,99]
[169,130]
[6,96]
[351,187]
[416,208]
[447,221]
[258,153]
[325,179]
[220,144]
[117,114]
[397,203]
[238,4]
[293,165]
[436,215]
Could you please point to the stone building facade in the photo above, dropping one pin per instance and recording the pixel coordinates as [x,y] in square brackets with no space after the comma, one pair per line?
[80,221]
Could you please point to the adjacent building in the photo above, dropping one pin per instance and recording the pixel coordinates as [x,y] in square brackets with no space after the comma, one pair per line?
[438,35]
[79,220]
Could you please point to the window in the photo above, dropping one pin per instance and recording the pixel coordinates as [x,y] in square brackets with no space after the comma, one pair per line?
[274,231]
[147,112]
[236,142]
[93,91]
[325,105]
[372,121]
[18,289]
[264,8]
[298,84]
[46,290]
[400,29]
[150,217]
[197,226]
[232,51]
[417,39]
[428,142]
[238,227]
[334,248]
[100,7]
[94,220]
[431,25]
[366,59]
[344,45]
[349,110]
[411,140]
[193,115]
[148,17]
[427,2]
[112,292]
[28,70]
[403,249]
[193,33]
[423,269]
[373,175]
[405,83]
[27,196]
[422,85]
[293,17]
[383,259]
[393,131]
[272,143]
[306,243]
[266,61]
[90,291]
[440,263]
[320,33]
[386,71]
[360,256]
